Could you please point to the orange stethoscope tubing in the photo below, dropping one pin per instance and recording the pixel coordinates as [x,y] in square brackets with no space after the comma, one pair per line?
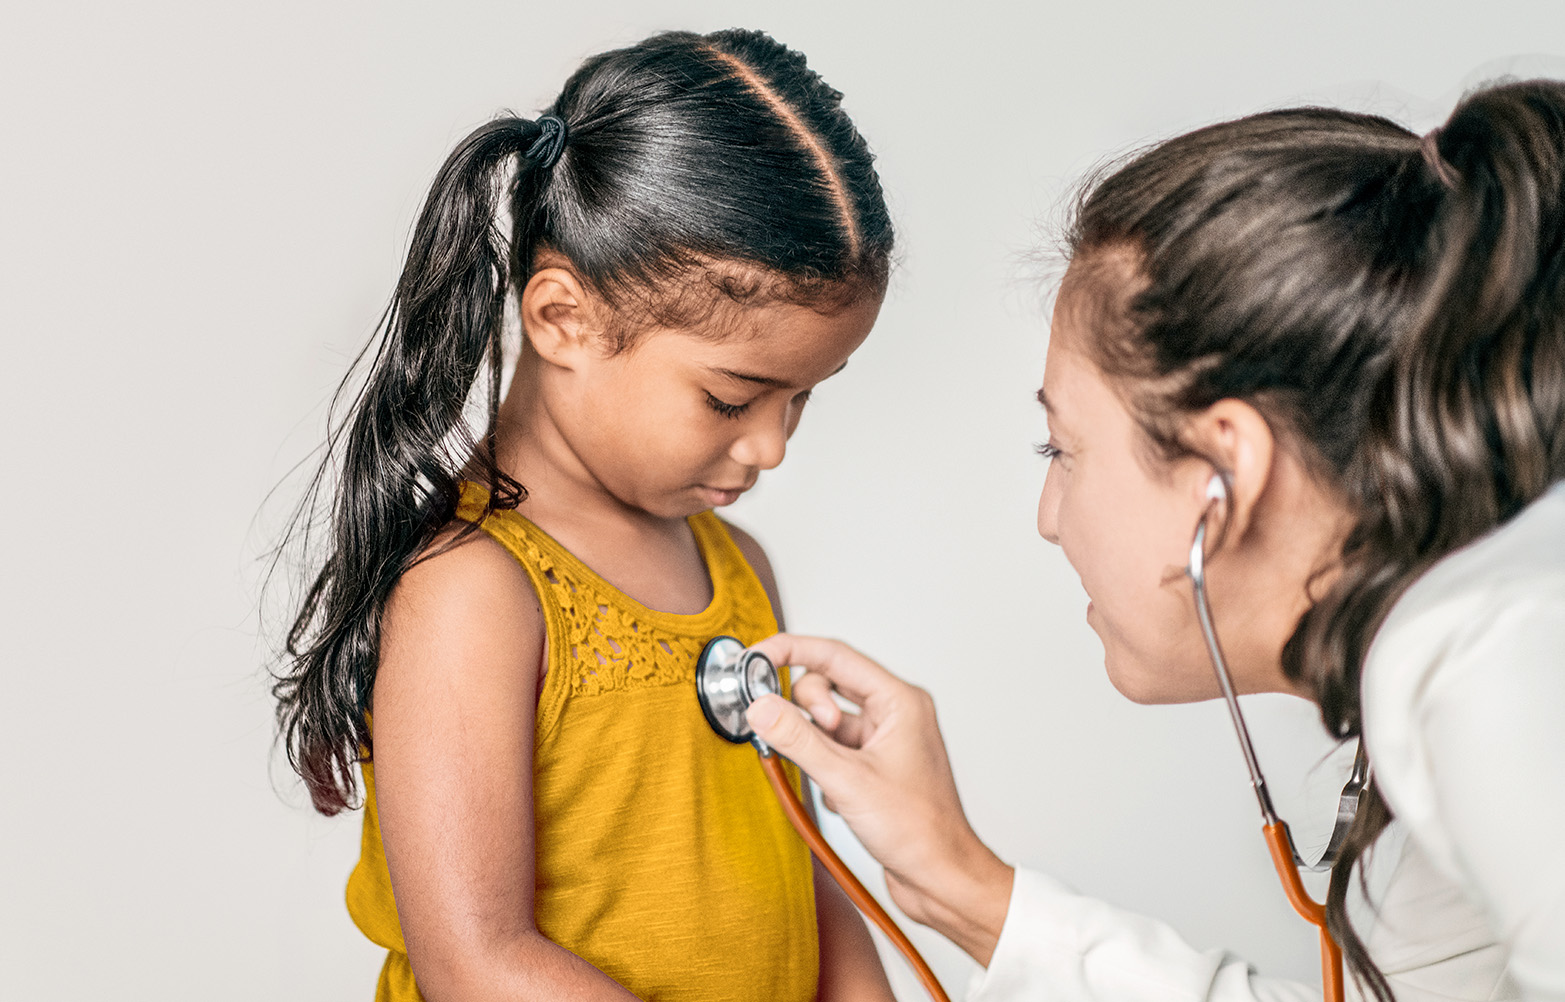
[1281,846]
[1278,841]
[771,764]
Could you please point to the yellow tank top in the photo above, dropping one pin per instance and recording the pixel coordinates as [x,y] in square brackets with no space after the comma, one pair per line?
[662,855]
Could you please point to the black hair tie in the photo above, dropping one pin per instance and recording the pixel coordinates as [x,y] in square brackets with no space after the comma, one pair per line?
[546,149]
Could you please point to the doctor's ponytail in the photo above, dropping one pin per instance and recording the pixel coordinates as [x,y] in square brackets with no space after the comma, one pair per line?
[1467,425]
[1394,306]
[1468,422]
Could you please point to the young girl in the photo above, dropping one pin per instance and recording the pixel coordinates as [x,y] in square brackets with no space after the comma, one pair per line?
[505,630]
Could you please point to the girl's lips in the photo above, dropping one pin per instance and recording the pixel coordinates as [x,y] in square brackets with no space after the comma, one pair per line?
[720,496]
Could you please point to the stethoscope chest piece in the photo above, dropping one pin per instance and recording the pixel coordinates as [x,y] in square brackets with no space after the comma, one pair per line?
[730,678]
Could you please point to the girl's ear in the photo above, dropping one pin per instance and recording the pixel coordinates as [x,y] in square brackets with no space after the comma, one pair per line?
[1238,441]
[560,317]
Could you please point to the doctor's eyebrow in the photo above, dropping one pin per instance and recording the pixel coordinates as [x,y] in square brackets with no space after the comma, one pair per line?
[750,377]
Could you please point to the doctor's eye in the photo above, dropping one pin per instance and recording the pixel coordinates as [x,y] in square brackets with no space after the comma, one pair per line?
[1048,450]
[724,408]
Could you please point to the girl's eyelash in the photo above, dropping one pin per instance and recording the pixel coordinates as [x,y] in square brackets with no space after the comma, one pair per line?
[724,408]
[1048,450]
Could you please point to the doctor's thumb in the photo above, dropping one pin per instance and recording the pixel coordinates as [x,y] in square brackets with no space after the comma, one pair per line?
[783,726]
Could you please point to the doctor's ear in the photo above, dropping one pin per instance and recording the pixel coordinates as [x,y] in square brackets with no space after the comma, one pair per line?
[1238,447]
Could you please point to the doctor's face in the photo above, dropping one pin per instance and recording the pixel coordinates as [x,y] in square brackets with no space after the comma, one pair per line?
[1124,519]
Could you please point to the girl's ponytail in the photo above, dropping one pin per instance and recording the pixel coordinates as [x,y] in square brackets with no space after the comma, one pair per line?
[405,444]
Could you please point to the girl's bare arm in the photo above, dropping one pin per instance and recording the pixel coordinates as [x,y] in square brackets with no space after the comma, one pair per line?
[462,652]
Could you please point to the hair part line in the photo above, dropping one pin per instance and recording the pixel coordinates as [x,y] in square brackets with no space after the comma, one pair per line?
[796,125]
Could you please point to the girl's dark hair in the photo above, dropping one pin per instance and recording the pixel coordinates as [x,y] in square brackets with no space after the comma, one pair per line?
[1396,310]
[696,169]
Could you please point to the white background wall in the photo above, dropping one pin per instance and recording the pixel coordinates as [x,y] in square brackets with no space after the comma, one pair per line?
[202,213]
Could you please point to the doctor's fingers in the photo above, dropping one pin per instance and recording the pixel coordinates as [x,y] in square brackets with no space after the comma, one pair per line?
[780,724]
[815,694]
[849,672]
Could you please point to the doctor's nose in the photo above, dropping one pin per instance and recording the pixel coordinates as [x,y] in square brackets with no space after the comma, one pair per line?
[1049,512]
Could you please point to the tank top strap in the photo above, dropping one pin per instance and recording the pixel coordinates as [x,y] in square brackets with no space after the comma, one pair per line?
[727,564]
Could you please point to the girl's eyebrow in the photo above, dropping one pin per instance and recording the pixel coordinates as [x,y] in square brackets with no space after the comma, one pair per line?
[750,377]
[1044,401]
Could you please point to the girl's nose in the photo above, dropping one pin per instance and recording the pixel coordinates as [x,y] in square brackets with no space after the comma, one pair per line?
[761,446]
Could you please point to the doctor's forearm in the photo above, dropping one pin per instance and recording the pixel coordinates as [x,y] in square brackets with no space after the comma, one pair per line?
[965,899]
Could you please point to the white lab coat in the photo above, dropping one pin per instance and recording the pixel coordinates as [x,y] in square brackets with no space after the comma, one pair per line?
[1464,718]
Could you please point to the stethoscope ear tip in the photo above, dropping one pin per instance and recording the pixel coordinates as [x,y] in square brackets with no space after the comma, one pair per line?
[1216,497]
[1217,488]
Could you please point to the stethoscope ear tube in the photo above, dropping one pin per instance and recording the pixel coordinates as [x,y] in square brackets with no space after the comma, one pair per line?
[1280,844]
[1285,858]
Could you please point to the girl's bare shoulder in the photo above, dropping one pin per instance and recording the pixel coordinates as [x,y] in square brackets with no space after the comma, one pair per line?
[465,612]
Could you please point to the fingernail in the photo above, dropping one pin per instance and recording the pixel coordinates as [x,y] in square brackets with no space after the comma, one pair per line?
[763,713]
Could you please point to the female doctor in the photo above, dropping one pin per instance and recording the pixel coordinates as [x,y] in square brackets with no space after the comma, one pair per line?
[1341,348]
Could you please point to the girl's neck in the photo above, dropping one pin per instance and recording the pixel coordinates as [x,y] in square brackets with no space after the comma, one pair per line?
[654,560]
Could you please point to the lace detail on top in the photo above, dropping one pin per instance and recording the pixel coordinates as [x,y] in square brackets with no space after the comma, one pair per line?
[605,641]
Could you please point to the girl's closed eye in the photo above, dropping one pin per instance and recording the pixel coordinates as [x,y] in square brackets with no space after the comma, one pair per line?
[1048,450]
[724,408]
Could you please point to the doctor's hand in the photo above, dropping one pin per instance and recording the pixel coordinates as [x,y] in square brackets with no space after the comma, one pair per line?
[884,769]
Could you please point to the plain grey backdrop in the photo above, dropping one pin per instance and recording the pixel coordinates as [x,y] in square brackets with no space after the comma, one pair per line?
[204,209]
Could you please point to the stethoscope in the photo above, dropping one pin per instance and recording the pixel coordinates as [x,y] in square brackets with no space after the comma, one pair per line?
[1285,857]
[729,678]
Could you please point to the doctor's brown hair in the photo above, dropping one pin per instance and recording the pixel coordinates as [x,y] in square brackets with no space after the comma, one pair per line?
[1396,310]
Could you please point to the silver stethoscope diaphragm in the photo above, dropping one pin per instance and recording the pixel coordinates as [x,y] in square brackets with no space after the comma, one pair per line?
[730,678]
